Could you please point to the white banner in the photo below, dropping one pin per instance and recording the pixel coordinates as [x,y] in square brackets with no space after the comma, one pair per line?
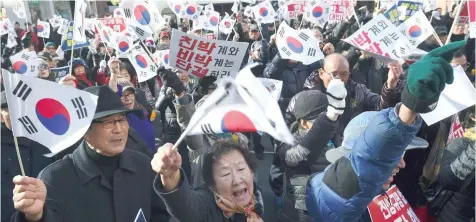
[381,37]
[454,98]
[201,57]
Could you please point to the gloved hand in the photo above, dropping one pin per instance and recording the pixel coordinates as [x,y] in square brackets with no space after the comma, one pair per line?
[170,79]
[336,93]
[428,77]
[204,83]
[102,66]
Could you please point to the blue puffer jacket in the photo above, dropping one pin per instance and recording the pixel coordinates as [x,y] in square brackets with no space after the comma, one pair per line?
[343,191]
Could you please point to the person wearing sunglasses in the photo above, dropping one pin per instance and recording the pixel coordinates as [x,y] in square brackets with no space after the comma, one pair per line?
[44,67]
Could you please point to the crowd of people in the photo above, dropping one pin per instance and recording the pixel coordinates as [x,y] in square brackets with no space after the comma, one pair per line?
[355,120]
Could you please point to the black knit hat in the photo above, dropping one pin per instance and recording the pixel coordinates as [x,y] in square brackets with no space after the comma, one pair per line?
[309,104]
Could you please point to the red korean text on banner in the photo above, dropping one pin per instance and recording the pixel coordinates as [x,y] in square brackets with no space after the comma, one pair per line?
[201,59]
[340,9]
[456,130]
[363,38]
[116,24]
[209,36]
[471,10]
[464,15]
[294,10]
[392,207]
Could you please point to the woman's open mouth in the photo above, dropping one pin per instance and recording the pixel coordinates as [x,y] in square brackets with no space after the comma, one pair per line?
[240,195]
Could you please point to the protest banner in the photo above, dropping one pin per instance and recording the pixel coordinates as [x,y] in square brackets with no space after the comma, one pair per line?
[294,10]
[339,10]
[411,8]
[392,15]
[472,18]
[391,207]
[457,96]
[201,57]
[67,40]
[463,17]
[60,72]
[380,36]
[116,24]
[456,129]
[273,86]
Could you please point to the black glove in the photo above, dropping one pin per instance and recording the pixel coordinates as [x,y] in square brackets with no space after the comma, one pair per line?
[204,83]
[170,79]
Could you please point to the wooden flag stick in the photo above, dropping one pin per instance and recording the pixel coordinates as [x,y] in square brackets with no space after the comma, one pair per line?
[19,156]
[458,9]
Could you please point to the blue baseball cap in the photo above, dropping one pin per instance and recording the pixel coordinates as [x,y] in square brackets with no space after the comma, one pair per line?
[355,128]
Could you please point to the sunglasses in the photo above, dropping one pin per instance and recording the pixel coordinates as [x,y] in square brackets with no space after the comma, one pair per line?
[44,66]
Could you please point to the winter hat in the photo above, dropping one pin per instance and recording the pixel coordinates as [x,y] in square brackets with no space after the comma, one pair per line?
[355,128]
[441,30]
[309,104]
[50,44]
[78,62]
[45,56]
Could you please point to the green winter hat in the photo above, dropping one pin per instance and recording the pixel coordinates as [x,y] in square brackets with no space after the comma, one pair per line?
[428,77]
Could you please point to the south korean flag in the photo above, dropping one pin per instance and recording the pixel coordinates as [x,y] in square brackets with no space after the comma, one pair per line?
[264,12]
[5,26]
[12,39]
[144,66]
[417,29]
[123,44]
[26,63]
[299,45]
[43,29]
[19,9]
[162,58]
[317,12]
[137,14]
[51,114]
[55,21]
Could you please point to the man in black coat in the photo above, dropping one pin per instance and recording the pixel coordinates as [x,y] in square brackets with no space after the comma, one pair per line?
[100,181]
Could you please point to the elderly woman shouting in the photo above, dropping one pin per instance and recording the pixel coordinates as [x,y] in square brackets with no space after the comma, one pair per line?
[229,193]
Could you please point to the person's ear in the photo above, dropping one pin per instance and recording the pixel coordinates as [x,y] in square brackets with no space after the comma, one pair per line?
[321,73]
[303,124]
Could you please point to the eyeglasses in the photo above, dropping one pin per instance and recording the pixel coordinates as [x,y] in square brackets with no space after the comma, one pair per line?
[44,66]
[129,96]
[109,124]
[336,75]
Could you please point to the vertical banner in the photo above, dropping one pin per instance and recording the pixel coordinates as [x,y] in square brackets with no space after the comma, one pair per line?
[391,207]
[472,18]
